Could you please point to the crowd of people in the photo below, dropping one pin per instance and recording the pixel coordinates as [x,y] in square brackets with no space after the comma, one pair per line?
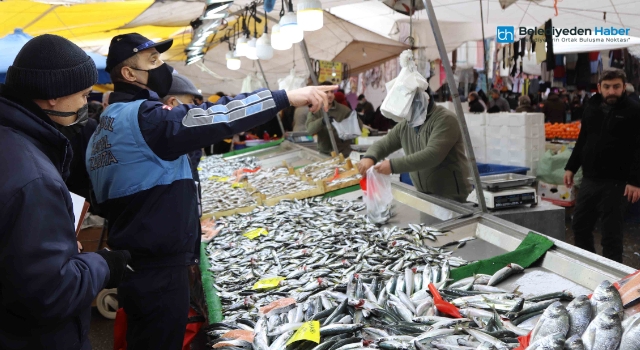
[559,105]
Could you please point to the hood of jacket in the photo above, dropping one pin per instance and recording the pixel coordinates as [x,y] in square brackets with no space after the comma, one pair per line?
[28,119]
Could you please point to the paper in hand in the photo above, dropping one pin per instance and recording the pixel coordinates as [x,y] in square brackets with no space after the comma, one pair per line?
[80,207]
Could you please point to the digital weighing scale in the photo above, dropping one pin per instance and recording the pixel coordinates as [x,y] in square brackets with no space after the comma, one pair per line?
[506,191]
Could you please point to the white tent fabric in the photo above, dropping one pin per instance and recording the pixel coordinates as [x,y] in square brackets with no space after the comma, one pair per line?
[379,18]
[338,40]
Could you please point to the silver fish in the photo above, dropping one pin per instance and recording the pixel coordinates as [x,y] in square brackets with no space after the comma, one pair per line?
[606,296]
[604,332]
[504,273]
[579,315]
[555,319]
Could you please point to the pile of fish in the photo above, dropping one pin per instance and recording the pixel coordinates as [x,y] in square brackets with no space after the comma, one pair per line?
[343,180]
[590,324]
[277,182]
[369,287]
[217,166]
[324,169]
[220,196]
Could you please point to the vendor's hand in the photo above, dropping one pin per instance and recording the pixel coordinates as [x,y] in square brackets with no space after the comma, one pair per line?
[363,165]
[313,96]
[632,193]
[568,178]
[384,167]
[80,249]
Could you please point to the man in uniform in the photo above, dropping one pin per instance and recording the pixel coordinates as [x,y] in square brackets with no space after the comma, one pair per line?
[137,162]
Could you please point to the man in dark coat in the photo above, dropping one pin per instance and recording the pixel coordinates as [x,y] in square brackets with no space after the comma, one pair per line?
[46,286]
[608,151]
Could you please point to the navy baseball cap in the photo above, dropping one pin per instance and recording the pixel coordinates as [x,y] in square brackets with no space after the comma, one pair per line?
[126,45]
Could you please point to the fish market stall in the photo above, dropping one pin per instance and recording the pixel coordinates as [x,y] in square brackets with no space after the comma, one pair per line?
[274,271]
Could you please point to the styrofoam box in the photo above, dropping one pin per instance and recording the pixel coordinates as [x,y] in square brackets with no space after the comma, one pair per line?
[524,131]
[498,119]
[495,131]
[478,142]
[477,130]
[498,142]
[474,119]
[516,143]
[520,119]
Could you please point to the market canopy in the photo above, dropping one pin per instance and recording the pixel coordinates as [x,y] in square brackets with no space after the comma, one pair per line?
[11,44]
[338,41]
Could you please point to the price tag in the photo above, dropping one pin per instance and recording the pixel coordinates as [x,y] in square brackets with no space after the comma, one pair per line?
[308,331]
[222,179]
[255,233]
[237,185]
[199,169]
[268,283]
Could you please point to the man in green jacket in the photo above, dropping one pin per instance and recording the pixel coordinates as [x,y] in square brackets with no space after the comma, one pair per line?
[315,125]
[435,156]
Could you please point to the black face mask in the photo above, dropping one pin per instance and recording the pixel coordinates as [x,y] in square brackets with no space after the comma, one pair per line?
[159,80]
[71,130]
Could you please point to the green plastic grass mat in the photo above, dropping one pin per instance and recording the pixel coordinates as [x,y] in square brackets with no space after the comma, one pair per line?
[253,148]
[529,251]
[210,293]
[342,191]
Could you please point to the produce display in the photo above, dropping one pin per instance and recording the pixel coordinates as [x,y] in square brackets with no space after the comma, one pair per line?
[568,131]
[276,182]
[316,274]
[216,166]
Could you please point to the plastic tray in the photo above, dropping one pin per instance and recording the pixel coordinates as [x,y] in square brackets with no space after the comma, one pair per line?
[503,181]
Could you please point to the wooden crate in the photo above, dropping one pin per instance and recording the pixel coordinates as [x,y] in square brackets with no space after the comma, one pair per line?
[90,239]
[318,191]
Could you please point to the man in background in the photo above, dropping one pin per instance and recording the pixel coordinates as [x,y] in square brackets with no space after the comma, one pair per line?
[499,102]
[316,125]
[608,151]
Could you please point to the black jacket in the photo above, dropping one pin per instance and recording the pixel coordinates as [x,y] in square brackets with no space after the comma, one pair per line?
[608,147]
[476,107]
[46,287]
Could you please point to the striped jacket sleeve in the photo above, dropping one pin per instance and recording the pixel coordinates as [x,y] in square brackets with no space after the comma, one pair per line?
[172,132]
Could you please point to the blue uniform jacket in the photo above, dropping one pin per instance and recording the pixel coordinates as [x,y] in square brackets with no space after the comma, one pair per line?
[160,225]
[46,287]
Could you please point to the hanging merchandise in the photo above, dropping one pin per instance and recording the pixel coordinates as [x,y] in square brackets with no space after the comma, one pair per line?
[540,47]
[348,128]
[293,81]
[402,91]
[310,15]
[551,63]
[268,5]
[289,24]
[251,83]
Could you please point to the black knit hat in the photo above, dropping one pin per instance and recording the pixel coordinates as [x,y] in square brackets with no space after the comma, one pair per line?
[50,66]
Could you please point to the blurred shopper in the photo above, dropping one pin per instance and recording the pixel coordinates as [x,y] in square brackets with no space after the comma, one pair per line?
[524,105]
[498,101]
[475,103]
[555,111]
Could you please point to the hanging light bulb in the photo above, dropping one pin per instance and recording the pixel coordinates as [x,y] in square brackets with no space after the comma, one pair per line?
[233,63]
[251,49]
[264,51]
[241,46]
[333,71]
[278,40]
[310,15]
[290,29]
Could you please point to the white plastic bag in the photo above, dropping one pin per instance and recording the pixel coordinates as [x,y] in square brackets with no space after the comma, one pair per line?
[378,196]
[293,81]
[401,90]
[349,128]
[251,83]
